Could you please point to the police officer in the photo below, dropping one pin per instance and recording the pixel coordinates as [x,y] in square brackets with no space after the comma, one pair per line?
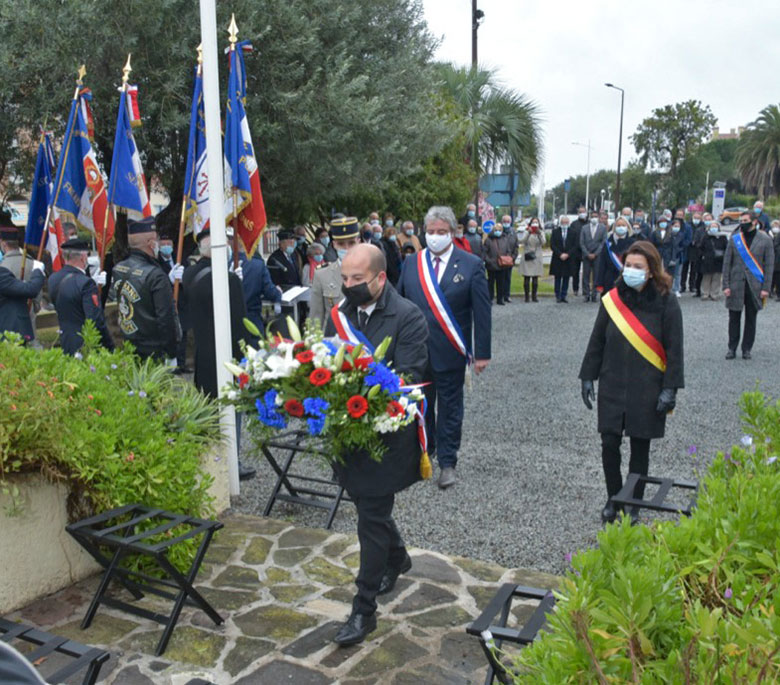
[326,285]
[14,293]
[75,297]
[147,314]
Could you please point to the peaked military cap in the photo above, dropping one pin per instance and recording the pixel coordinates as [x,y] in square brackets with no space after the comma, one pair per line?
[344,227]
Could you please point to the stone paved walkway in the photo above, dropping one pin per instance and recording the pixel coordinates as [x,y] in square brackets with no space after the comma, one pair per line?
[283,591]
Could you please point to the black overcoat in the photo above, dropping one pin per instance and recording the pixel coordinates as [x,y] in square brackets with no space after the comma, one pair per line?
[629,385]
[559,246]
[403,321]
[14,314]
[712,250]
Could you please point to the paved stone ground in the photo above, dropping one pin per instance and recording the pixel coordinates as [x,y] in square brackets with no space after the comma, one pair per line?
[283,591]
[531,486]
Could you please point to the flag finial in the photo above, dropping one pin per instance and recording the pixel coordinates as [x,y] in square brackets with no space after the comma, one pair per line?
[126,70]
[82,72]
[233,31]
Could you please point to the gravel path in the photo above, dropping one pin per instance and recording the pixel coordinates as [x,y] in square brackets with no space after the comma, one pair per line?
[530,486]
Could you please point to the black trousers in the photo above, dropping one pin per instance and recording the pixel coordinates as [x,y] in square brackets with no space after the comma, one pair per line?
[381,546]
[610,459]
[575,275]
[496,286]
[735,319]
[532,281]
[507,276]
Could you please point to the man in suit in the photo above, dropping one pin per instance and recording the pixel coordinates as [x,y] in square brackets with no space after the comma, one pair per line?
[565,246]
[463,291]
[742,286]
[258,286]
[282,263]
[375,308]
[14,293]
[326,285]
[75,297]
[593,235]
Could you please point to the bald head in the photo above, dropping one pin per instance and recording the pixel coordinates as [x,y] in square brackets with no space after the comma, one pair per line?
[364,264]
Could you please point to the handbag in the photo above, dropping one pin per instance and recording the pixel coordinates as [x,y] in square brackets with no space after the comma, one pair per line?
[719,254]
[505,260]
[529,256]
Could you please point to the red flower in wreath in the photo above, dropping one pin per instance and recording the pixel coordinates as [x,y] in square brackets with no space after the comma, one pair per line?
[363,362]
[294,408]
[395,408]
[305,357]
[357,405]
[320,376]
[243,381]
[346,365]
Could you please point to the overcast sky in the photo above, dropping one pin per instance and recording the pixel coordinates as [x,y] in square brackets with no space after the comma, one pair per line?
[726,54]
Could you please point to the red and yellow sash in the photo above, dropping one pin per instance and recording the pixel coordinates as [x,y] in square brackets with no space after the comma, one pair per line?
[634,330]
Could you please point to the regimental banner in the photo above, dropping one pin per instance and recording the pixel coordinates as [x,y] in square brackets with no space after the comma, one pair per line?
[196,179]
[634,330]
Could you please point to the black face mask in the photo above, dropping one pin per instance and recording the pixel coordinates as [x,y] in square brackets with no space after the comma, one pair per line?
[359,294]
[746,226]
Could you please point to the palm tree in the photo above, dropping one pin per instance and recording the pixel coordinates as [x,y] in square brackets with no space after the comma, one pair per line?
[758,152]
[500,125]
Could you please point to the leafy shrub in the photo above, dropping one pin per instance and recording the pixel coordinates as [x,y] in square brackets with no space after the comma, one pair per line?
[114,429]
[694,601]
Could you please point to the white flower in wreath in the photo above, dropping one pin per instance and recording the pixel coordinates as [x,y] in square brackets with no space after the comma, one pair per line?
[280,366]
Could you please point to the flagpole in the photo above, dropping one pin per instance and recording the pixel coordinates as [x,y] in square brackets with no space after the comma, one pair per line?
[183,220]
[219,273]
[233,37]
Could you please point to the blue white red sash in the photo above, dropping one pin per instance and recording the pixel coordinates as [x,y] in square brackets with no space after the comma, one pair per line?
[346,331]
[439,306]
[747,256]
[613,257]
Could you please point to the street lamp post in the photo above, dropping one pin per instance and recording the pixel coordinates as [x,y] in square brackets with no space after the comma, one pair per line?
[476,17]
[620,141]
[587,174]
[603,193]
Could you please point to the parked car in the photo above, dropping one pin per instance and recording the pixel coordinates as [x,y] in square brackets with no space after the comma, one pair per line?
[731,214]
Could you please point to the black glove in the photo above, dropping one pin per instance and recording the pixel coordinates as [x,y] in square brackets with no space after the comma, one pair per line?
[666,400]
[588,393]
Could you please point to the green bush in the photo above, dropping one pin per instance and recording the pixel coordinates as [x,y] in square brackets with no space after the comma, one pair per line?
[689,601]
[114,429]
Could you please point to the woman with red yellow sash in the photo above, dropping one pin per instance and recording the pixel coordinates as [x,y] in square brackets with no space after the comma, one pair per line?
[635,353]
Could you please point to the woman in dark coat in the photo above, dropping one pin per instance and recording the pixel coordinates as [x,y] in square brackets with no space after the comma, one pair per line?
[618,241]
[635,395]
[393,254]
[712,249]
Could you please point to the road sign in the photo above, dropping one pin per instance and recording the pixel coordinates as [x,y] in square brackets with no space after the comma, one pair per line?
[567,185]
[718,202]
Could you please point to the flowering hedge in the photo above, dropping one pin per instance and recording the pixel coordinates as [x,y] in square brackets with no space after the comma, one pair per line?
[116,430]
[694,601]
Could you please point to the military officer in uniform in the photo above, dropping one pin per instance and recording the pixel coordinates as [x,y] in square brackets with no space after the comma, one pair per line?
[147,314]
[13,260]
[14,293]
[75,297]
[326,285]
[373,305]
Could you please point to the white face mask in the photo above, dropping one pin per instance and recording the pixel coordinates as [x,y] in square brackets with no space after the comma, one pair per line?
[621,230]
[409,232]
[582,216]
[438,243]
[775,229]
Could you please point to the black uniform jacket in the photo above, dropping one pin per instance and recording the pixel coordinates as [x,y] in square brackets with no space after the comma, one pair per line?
[408,352]
[147,314]
[76,299]
[629,385]
[200,305]
[14,314]
[283,269]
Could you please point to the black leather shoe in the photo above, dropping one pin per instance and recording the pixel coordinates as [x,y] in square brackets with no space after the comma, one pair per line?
[634,514]
[731,354]
[746,354]
[355,630]
[391,576]
[609,512]
[245,472]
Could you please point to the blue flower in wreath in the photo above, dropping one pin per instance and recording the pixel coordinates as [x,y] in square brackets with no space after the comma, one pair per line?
[267,413]
[381,375]
[316,425]
[316,408]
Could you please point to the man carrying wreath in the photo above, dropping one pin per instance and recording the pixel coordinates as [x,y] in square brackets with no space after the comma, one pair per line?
[371,311]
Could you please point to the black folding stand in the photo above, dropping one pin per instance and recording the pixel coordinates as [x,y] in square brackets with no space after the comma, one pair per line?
[111,536]
[296,443]
[658,501]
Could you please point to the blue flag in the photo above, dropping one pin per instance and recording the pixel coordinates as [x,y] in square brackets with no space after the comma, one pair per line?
[41,192]
[196,179]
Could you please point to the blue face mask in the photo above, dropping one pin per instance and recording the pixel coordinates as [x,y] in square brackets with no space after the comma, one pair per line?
[707,222]
[325,240]
[634,278]
[2,256]
[696,222]
[341,253]
[675,229]
[472,229]
[392,238]
[471,213]
[317,257]
[497,232]
[377,235]
[662,225]
[757,210]
[166,250]
[506,224]
[289,249]
[713,230]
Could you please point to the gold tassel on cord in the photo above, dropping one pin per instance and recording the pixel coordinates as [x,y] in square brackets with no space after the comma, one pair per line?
[426,469]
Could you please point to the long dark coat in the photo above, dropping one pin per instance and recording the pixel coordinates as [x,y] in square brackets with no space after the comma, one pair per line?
[606,271]
[571,246]
[200,302]
[403,321]
[737,277]
[14,315]
[712,250]
[629,385]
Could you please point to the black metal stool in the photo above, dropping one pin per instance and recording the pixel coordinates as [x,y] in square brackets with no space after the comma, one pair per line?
[89,658]
[502,604]
[626,495]
[111,536]
[296,443]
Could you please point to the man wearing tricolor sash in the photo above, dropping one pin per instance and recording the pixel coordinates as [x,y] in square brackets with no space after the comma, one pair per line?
[747,281]
[450,288]
[635,353]
[371,311]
